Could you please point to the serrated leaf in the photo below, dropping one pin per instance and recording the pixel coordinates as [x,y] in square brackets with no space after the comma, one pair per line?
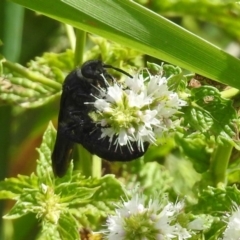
[44,167]
[211,114]
[62,203]
[68,227]
[73,194]
[34,86]
[37,102]
[177,82]
[216,200]
[80,190]
[53,65]
[195,146]
[90,199]
[111,188]
[19,209]
[16,186]
[114,54]
[7,195]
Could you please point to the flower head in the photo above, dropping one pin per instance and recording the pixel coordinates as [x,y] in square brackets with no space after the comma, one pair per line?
[141,219]
[232,231]
[137,111]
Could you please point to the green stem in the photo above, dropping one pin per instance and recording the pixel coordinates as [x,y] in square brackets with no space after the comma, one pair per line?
[80,44]
[96,166]
[219,162]
[71,35]
[89,165]
[84,164]
[11,25]
[14,67]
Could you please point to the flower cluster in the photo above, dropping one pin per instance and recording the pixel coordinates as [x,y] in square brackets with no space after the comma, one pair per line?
[138,111]
[141,219]
[232,231]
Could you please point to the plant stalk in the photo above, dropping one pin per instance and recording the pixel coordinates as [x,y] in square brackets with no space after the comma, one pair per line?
[89,165]
[219,163]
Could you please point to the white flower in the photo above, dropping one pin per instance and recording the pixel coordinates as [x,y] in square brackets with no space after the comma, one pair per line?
[232,231]
[102,105]
[138,111]
[141,219]
[114,94]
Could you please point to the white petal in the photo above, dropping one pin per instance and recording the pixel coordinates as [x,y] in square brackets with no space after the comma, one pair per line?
[101,104]
[123,138]
[114,93]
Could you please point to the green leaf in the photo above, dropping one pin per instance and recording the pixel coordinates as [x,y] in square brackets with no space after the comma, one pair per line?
[176,80]
[196,147]
[22,91]
[218,13]
[53,65]
[13,187]
[44,167]
[19,209]
[216,200]
[60,203]
[68,227]
[38,84]
[211,114]
[115,54]
[73,194]
[137,27]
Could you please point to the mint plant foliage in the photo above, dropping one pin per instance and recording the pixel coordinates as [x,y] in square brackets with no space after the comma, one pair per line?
[212,114]
[212,120]
[62,205]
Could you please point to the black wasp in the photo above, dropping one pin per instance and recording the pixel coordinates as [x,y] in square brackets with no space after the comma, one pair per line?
[76,126]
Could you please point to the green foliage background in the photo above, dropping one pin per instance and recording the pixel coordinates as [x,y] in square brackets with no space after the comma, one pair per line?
[25,113]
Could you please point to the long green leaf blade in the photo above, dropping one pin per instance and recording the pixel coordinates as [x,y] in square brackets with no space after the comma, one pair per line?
[128,23]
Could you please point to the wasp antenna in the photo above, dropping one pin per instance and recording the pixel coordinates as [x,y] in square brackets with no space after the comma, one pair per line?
[117,69]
